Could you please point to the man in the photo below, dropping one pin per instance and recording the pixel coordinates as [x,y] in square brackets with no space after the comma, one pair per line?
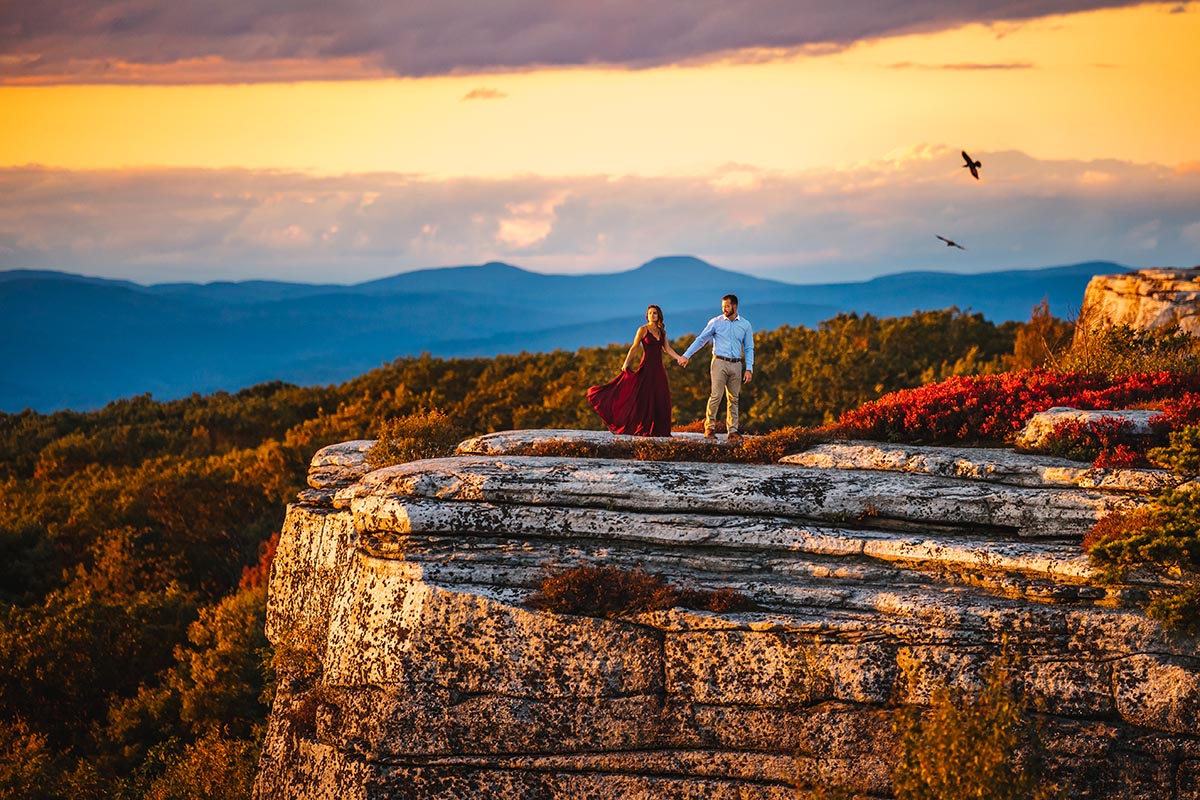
[733,344]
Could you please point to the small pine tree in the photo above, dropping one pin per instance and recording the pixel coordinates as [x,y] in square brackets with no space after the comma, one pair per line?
[1164,537]
[1182,453]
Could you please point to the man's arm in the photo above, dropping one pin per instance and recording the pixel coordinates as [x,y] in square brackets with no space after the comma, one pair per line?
[704,338]
[748,349]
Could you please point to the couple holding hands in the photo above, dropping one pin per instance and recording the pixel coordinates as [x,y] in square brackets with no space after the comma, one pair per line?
[638,401]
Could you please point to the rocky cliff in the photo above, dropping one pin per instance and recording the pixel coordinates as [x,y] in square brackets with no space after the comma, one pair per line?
[1149,299]
[411,667]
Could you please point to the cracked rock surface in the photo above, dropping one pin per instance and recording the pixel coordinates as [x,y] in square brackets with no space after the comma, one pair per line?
[412,668]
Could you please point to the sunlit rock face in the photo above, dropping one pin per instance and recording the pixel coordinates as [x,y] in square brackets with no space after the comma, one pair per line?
[411,667]
[1149,299]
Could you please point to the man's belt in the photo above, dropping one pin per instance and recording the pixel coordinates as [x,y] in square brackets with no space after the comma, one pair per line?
[723,358]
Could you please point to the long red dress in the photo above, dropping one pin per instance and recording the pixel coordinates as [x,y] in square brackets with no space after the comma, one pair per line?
[639,402]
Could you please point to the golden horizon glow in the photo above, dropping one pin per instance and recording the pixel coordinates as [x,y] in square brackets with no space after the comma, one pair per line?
[1115,84]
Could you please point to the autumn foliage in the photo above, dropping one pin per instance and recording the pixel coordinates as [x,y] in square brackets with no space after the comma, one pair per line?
[990,409]
[136,540]
[971,745]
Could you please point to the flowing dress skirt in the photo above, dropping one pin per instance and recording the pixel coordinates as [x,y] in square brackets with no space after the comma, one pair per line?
[639,402]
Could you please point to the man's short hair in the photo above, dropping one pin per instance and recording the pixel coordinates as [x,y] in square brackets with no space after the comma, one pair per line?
[731,298]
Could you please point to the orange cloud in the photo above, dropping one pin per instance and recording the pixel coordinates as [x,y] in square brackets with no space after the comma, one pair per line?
[961,66]
[484,94]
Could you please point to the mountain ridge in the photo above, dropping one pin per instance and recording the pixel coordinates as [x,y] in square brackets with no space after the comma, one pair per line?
[80,342]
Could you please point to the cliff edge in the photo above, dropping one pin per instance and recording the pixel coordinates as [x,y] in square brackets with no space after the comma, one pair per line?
[410,666]
[1145,300]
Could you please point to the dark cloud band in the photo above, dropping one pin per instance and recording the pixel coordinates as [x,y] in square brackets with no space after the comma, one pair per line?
[77,40]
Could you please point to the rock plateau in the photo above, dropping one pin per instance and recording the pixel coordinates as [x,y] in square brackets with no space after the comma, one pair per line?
[410,666]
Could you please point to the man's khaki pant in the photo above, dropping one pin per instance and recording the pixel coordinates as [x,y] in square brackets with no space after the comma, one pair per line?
[726,380]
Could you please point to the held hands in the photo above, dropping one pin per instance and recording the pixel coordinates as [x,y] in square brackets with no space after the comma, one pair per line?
[682,361]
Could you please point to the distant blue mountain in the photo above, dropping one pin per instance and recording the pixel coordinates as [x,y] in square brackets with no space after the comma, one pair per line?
[78,342]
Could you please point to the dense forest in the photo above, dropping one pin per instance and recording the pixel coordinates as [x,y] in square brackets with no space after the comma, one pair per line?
[135,540]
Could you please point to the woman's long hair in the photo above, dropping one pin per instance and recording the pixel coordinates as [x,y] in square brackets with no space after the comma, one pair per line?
[662,321]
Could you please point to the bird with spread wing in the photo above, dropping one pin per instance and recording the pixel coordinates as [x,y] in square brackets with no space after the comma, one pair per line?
[972,165]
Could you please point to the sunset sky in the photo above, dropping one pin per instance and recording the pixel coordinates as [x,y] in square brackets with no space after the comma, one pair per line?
[345,140]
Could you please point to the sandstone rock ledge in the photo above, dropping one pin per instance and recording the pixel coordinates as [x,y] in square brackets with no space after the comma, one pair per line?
[1148,299]
[412,669]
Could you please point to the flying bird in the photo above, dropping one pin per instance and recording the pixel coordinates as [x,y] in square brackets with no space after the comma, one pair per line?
[972,165]
[950,243]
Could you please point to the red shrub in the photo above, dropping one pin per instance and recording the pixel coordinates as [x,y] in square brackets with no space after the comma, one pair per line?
[1108,442]
[260,573]
[1122,525]
[608,591]
[1121,456]
[719,601]
[991,408]
[1180,411]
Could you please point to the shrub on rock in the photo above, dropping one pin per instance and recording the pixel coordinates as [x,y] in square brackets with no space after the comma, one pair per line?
[425,434]
[609,591]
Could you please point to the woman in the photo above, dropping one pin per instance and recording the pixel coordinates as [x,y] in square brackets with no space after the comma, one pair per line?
[638,402]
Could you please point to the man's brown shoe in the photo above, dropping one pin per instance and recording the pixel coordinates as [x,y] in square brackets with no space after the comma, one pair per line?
[709,433]
[733,436]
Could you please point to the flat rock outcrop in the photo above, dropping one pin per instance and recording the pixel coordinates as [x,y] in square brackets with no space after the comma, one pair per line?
[988,464]
[1148,299]
[1038,430]
[411,665]
[508,442]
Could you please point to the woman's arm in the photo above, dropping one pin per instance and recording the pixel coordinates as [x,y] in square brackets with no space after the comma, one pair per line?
[670,350]
[637,343]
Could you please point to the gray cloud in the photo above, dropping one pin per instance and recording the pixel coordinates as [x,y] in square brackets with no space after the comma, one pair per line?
[201,225]
[97,40]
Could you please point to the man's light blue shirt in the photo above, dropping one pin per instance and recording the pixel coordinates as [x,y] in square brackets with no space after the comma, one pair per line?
[731,338]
